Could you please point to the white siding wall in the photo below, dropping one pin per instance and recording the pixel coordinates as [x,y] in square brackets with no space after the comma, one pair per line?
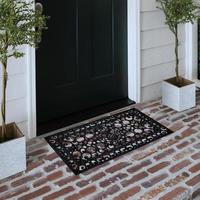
[17,109]
[157,50]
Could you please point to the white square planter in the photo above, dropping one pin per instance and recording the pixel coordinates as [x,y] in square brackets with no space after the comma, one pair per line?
[13,153]
[179,98]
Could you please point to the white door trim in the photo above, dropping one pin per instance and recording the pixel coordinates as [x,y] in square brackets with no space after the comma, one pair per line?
[31,90]
[134,59]
[134,71]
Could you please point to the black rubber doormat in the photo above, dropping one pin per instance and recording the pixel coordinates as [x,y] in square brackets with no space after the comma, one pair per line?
[92,144]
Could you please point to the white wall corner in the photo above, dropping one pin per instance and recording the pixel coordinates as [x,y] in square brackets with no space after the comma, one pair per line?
[134,59]
[191,50]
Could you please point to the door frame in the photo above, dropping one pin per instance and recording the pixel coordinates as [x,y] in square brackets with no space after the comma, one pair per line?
[31,90]
[134,71]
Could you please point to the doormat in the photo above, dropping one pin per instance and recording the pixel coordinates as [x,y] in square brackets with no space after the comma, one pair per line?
[92,144]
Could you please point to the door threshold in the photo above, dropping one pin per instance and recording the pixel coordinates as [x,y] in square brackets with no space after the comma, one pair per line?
[43,128]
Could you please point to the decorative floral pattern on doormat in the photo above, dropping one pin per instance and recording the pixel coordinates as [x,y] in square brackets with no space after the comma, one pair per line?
[92,144]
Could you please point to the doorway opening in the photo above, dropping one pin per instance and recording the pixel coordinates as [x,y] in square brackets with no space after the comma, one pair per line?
[82,62]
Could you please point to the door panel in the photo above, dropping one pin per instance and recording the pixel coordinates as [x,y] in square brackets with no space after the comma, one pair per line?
[82,60]
[102,53]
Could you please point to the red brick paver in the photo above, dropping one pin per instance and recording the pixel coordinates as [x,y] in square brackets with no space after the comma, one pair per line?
[167,169]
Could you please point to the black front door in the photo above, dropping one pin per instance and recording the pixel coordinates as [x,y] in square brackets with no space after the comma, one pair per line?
[82,60]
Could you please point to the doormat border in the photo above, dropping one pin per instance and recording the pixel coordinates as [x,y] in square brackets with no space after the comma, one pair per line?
[76,172]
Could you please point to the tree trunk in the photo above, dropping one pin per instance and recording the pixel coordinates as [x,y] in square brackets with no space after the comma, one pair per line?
[177,56]
[3,103]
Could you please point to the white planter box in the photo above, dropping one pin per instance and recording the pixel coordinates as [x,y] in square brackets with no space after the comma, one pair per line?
[13,155]
[179,98]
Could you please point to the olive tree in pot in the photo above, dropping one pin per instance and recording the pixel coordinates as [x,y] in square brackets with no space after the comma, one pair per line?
[20,24]
[178,92]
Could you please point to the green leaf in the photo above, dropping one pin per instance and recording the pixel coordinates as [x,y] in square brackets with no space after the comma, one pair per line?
[19,24]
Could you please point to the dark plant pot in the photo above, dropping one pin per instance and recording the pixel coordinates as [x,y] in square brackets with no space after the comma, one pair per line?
[12,152]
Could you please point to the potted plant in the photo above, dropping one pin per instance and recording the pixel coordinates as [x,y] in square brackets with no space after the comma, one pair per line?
[178,92]
[20,24]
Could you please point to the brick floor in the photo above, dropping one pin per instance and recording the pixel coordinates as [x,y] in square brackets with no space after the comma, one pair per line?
[167,169]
